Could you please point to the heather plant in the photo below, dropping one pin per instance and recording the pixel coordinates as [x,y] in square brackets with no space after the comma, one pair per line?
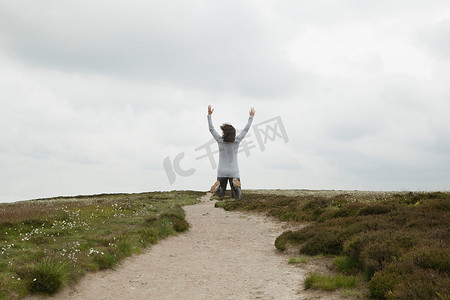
[177,217]
[48,243]
[290,238]
[430,257]
[281,242]
[350,209]
[329,282]
[282,207]
[383,282]
[377,209]
[421,284]
[398,242]
[407,281]
[323,242]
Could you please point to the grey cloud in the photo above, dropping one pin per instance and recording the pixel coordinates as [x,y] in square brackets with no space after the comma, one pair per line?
[388,173]
[219,47]
[348,131]
[436,38]
[437,144]
[325,14]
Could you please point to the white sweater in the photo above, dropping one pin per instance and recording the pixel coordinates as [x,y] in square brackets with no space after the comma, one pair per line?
[228,159]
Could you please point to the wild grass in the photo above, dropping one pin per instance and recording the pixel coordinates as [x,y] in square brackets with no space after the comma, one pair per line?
[49,243]
[48,276]
[298,260]
[397,241]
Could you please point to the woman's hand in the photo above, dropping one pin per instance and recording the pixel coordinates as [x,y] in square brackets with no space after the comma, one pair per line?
[210,111]
[252,112]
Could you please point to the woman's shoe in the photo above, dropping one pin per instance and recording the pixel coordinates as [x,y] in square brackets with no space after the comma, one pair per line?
[236,182]
[236,192]
[215,187]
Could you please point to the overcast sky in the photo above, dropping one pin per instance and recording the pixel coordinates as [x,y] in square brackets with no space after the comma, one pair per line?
[96,95]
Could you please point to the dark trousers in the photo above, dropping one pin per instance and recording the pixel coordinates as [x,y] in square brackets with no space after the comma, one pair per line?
[223,185]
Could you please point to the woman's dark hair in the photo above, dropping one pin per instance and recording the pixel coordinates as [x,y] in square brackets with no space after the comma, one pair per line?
[229,133]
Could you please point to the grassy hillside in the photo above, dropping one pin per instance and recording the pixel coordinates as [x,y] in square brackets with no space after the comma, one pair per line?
[397,242]
[393,245]
[46,244]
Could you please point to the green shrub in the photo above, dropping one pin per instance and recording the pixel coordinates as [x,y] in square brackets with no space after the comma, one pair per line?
[346,264]
[148,236]
[431,257]
[297,260]
[150,220]
[165,227]
[376,256]
[348,210]
[168,223]
[439,205]
[328,282]
[311,280]
[180,225]
[355,245]
[315,207]
[376,209]
[287,215]
[382,283]
[392,238]
[323,242]
[175,213]
[422,284]
[48,276]
[405,281]
[369,223]
[177,218]
[384,248]
[291,238]
[124,247]
[106,260]
[282,240]
[315,203]
[414,198]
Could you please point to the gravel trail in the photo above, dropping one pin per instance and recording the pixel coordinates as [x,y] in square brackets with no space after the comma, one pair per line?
[224,255]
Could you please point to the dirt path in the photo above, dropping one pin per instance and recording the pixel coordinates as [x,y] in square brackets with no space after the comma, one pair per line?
[225,255]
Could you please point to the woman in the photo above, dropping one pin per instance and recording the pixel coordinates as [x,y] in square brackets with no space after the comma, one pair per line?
[228,170]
